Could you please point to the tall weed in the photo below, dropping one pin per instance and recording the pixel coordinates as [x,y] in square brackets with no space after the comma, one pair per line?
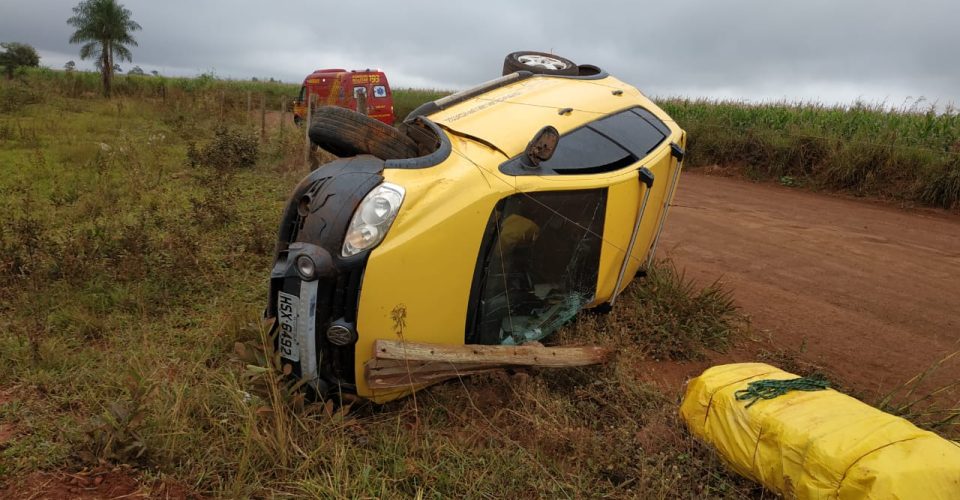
[907,154]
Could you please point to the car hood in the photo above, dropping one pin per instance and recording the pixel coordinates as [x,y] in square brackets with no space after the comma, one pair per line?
[506,118]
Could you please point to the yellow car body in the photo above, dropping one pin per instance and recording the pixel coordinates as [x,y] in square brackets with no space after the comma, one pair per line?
[420,283]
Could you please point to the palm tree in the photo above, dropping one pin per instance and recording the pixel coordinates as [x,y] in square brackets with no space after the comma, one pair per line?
[103,27]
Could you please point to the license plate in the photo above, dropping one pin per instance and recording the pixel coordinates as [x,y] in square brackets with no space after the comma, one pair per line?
[287,307]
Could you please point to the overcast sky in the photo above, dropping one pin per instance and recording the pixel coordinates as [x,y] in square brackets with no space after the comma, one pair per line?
[831,51]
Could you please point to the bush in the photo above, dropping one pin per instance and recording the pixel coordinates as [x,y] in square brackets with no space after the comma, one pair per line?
[16,55]
[14,97]
[229,149]
[674,318]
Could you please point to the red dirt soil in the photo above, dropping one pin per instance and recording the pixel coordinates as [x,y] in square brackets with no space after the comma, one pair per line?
[100,483]
[869,291]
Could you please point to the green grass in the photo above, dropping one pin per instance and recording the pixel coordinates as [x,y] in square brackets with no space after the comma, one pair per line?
[130,267]
[908,155]
[927,408]
[406,100]
[88,84]
[676,318]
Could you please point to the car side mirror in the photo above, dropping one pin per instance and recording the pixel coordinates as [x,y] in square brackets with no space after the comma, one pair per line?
[541,147]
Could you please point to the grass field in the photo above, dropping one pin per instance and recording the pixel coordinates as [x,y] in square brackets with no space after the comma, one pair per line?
[134,253]
[909,154]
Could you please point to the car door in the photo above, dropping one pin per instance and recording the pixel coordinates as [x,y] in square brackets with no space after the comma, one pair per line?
[645,136]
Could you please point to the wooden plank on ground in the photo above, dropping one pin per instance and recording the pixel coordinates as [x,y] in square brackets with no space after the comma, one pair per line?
[394,373]
[523,355]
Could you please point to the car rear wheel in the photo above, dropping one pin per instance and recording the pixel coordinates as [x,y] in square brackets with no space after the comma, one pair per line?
[540,63]
[345,132]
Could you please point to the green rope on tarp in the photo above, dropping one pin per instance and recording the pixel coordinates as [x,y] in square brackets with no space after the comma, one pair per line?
[769,389]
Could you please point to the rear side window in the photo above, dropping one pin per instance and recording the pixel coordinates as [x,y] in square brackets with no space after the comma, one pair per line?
[606,145]
[632,130]
[586,151]
[653,120]
[379,91]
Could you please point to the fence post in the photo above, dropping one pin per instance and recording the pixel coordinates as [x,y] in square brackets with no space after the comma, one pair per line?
[362,103]
[306,132]
[249,108]
[263,115]
[283,115]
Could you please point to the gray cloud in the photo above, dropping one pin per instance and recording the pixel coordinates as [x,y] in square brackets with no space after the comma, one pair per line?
[819,50]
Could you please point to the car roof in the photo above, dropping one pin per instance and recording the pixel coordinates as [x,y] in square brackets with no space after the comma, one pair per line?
[336,72]
[507,117]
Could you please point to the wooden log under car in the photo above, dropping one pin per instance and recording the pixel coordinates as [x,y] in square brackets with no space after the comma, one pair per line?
[522,355]
[394,373]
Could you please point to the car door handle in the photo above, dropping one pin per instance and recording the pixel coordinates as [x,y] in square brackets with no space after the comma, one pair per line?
[676,151]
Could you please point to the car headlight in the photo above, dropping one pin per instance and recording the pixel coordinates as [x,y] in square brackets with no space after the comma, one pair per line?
[373,218]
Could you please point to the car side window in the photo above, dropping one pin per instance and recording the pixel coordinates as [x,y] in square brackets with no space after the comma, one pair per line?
[633,131]
[608,144]
[653,120]
[586,151]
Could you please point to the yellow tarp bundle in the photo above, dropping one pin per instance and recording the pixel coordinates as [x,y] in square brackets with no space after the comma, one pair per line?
[819,445]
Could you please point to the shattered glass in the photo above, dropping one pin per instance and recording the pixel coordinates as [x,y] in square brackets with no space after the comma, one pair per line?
[538,266]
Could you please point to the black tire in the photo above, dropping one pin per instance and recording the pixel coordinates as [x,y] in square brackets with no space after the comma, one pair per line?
[512,63]
[345,132]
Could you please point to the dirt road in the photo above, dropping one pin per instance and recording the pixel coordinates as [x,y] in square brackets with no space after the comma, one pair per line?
[869,291]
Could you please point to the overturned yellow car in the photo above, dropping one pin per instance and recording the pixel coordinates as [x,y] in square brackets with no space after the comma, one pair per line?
[491,216]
